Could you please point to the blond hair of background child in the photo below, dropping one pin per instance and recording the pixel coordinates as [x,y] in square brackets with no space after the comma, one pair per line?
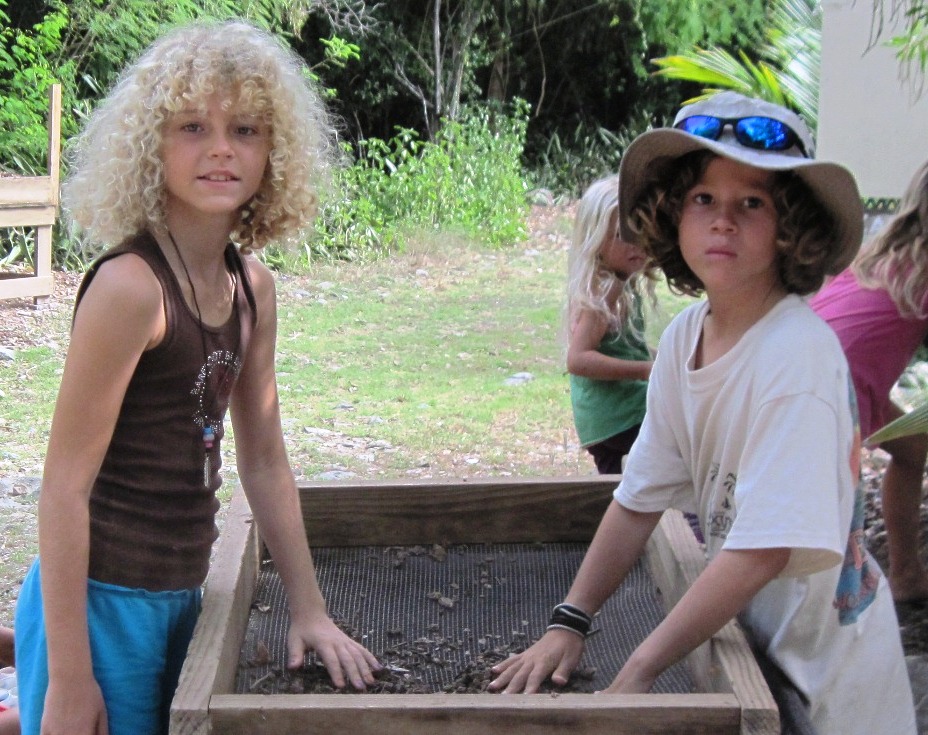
[607,357]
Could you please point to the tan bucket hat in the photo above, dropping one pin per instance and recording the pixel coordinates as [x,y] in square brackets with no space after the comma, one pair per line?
[833,185]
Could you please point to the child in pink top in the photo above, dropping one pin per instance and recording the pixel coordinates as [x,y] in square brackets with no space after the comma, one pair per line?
[879,309]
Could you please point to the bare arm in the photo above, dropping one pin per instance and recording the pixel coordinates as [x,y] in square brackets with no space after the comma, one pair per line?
[268,481]
[584,359]
[724,588]
[120,315]
[615,548]
[7,647]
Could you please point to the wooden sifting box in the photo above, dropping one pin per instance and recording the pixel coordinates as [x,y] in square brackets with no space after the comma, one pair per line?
[731,695]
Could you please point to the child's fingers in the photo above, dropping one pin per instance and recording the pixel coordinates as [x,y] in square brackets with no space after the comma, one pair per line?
[555,655]
[528,678]
[330,660]
[518,674]
[296,658]
[562,673]
[370,659]
[505,664]
[354,663]
[347,661]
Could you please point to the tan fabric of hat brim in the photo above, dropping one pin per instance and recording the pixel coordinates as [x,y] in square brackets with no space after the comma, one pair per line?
[832,184]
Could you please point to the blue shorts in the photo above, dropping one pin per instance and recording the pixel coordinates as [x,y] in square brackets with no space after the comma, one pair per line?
[138,642]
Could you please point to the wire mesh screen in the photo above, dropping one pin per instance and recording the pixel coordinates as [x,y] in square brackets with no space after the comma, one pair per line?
[439,616]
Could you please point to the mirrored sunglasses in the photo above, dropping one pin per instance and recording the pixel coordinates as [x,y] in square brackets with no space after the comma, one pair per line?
[758,132]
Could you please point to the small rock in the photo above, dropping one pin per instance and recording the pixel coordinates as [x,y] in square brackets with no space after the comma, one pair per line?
[518,379]
[19,486]
[335,475]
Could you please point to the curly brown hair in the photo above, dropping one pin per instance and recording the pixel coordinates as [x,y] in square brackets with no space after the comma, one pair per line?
[807,240]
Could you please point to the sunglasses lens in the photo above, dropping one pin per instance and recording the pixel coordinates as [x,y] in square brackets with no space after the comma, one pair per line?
[705,126]
[764,133]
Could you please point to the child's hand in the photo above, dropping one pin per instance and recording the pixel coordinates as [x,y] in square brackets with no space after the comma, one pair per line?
[346,660]
[556,654]
[74,707]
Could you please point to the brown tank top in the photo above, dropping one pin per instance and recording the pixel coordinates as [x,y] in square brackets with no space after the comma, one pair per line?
[152,516]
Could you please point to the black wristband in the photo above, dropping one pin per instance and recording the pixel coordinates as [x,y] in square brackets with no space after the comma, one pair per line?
[570,617]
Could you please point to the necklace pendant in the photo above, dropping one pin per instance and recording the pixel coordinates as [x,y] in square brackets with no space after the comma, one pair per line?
[208,438]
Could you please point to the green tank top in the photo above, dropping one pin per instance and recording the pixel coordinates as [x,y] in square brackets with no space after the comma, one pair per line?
[604,408]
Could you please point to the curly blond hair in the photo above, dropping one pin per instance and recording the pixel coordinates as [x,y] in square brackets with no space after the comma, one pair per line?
[590,285]
[115,188]
[896,259]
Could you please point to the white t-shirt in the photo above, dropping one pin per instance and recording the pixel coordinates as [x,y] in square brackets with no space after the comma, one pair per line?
[763,447]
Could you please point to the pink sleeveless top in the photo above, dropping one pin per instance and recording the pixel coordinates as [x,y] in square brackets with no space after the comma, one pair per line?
[878,342]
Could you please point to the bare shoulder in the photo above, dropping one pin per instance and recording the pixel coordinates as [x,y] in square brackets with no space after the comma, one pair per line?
[124,297]
[262,280]
[126,281]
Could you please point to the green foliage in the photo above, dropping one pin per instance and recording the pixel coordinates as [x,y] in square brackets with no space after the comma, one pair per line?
[794,47]
[911,42]
[568,166]
[679,24]
[913,422]
[911,45]
[786,70]
[429,53]
[26,73]
[468,179]
[579,65]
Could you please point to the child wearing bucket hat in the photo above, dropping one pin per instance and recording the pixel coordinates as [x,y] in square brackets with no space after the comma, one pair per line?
[750,424]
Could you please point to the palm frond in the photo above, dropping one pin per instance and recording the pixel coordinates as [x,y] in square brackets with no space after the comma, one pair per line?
[717,70]
[715,67]
[786,71]
[914,422]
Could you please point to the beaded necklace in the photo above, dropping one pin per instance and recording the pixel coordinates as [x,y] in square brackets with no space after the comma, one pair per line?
[209,437]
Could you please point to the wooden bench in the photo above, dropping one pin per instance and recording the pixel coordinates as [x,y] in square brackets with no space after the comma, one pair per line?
[732,697]
[32,201]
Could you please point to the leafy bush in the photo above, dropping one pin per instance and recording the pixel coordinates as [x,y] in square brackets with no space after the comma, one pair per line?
[469,179]
[26,73]
[566,166]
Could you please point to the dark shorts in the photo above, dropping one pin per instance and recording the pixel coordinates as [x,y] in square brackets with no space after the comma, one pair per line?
[608,454]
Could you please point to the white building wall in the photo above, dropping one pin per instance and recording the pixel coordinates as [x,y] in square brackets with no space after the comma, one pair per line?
[869,119]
